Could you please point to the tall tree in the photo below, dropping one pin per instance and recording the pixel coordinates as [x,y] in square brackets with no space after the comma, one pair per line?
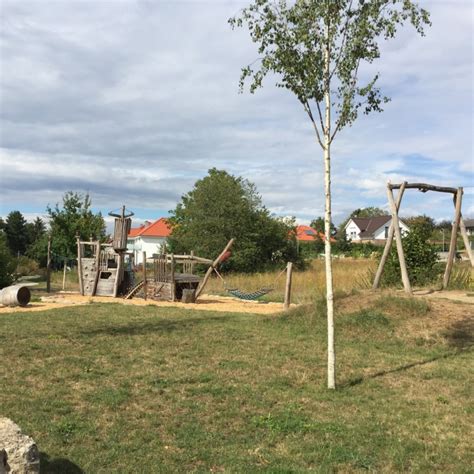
[222,206]
[315,49]
[75,217]
[17,233]
[318,224]
[36,230]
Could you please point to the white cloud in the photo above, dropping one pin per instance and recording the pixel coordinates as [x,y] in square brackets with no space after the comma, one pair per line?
[133,101]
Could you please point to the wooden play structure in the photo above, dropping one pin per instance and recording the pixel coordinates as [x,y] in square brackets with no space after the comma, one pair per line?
[107,269]
[394,231]
[169,277]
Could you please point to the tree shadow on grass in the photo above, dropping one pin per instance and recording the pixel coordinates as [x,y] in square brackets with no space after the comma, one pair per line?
[358,380]
[58,465]
[461,333]
[147,327]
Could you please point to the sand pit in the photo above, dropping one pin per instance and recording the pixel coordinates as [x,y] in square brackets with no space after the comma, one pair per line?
[205,303]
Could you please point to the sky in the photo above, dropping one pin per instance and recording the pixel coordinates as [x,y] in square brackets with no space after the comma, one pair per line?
[133,101]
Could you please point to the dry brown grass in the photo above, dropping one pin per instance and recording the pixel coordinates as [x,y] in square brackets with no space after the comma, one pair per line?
[349,274]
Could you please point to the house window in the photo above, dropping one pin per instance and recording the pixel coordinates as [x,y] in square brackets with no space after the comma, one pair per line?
[309,232]
[386,231]
[353,234]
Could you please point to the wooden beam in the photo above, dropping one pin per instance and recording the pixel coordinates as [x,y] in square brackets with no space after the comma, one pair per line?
[388,243]
[48,267]
[289,271]
[465,238]
[398,239]
[173,283]
[145,283]
[79,266]
[211,268]
[97,268]
[454,236]
[423,187]
[118,275]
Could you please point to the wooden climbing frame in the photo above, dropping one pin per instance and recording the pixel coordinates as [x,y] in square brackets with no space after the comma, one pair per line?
[394,231]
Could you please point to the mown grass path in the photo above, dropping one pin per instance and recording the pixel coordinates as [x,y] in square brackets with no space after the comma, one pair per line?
[111,388]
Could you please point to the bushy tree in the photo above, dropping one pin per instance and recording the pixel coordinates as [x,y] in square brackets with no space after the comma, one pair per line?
[16,232]
[424,224]
[75,217]
[7,263]
[318,225]
[36,230]
[222,206]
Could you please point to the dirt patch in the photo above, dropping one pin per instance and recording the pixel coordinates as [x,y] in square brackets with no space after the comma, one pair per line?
[205,303]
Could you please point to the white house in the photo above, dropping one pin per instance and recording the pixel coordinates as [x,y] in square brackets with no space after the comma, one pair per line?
[371,229]
[149,237]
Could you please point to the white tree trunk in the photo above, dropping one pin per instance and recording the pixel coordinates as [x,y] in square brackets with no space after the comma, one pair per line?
[327,225]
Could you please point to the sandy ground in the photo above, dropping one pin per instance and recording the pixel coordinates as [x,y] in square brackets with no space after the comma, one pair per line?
[454,295]
[205,303]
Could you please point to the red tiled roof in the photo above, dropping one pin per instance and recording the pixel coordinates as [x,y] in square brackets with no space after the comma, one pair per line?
[305,233]
[159,228]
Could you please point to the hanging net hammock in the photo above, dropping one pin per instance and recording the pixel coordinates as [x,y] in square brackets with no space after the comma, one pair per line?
[255,295]
[249,296]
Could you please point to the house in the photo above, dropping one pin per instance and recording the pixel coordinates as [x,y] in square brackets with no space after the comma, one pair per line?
[150,237]
[469,223]
[305,233]
[370,229]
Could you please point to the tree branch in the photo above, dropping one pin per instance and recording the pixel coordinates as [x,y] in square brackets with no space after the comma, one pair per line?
[308,110]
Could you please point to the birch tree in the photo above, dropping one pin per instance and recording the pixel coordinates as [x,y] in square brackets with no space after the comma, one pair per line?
[315,48]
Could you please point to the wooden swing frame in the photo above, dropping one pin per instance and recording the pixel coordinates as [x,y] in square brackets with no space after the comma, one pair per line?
[394,231]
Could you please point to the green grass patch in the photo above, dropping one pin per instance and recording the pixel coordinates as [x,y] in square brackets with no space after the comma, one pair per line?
[112,388]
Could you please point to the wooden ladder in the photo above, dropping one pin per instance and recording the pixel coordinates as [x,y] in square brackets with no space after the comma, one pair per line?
[134,290]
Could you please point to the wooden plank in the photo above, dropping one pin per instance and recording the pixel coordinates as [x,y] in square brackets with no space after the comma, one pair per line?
[117,275]
[48,267]
[454,236]
[173,283]
[211,268]
[465,239]
[97,267]
[398,240]
[145,285]
[289,271]
[79,266]
[388,243]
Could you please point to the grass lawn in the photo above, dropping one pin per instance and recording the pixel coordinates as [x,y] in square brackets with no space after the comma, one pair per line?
[112,388]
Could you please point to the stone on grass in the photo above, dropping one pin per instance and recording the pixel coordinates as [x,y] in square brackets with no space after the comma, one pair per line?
[22,455]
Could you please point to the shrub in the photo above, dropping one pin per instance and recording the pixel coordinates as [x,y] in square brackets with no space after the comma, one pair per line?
[420,257]
[7,263]
[26,266]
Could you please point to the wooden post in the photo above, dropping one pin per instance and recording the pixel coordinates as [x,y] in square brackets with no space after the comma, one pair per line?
[211,268]
[454,236]
[64,274]
[192,263]
[465,238]
[145,285]
[79,265]
[48,266]
[97,268]
[118,278]
[173,283]
[289,270]
[388,243]
[398,239]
